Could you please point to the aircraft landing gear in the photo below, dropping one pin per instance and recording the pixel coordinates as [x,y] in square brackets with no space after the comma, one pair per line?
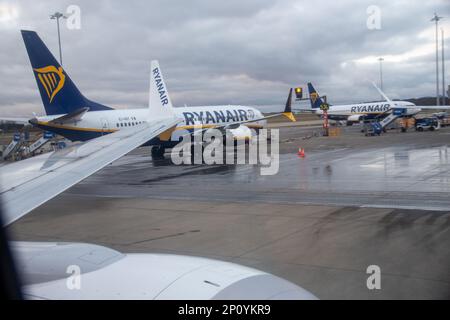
[158,151]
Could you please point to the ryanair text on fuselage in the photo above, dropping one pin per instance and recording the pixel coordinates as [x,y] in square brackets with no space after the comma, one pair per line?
[377,108]
[221,116]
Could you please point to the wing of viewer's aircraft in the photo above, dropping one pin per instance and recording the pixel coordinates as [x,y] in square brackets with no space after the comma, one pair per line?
[29,183]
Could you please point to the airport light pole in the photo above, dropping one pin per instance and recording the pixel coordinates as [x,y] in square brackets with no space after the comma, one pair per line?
[381,72]
[443,67]
[57,16]
[436,19]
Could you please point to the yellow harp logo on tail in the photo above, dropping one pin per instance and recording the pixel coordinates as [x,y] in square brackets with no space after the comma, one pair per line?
[313,96]
[52,79]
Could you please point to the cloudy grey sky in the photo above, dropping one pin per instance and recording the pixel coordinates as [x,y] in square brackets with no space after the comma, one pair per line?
[225,52]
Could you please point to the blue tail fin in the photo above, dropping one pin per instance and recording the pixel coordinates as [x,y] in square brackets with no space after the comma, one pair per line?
[314,97]
[59,94]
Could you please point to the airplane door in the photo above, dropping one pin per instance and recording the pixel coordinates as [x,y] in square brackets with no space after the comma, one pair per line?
[105,125]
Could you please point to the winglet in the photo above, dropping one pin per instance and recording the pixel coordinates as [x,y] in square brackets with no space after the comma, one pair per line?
[384,96]
[160,104]
[288,109]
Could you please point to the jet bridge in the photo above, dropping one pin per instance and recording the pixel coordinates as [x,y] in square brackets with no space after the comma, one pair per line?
[13,145]
[18,146]
[46,137]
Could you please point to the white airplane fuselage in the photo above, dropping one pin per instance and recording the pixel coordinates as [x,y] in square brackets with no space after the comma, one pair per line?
[97,123]
[355,112]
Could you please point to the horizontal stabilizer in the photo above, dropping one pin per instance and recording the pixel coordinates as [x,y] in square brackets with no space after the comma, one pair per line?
[71,117]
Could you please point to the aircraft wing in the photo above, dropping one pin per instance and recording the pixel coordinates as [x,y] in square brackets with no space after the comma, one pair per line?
[306,110]
[233,125]
[29,183]
[410,107]
[23,121]
[433,107]
[287,113]
[70,117]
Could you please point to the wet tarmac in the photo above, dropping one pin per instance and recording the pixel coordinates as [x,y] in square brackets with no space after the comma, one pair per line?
[393,177]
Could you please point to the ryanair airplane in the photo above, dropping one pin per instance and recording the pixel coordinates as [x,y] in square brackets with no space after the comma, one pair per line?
[354,113]
[70,114]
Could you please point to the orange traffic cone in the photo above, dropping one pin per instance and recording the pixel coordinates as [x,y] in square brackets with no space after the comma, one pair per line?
[301,152]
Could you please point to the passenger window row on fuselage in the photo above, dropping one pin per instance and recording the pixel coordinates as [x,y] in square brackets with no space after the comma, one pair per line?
[128,124]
